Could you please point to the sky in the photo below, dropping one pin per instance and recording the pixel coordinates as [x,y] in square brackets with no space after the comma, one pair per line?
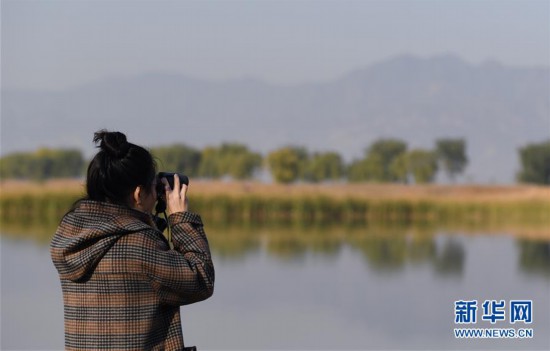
[55,45]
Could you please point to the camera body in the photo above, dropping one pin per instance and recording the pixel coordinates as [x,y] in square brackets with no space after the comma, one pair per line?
[161,195]
[170,178]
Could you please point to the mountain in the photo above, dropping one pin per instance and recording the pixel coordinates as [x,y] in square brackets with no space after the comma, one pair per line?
[496,108]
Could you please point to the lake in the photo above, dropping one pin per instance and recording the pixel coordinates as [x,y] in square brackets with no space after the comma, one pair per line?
[298,288]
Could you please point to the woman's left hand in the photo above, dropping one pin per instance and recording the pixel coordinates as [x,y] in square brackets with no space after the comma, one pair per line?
[176,199]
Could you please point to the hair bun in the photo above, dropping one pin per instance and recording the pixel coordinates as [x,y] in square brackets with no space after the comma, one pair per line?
[112,143]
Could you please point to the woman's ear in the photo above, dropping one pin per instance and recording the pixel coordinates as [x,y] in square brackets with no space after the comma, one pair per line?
[137,196]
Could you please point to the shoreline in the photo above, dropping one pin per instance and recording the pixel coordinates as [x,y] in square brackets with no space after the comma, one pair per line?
[368,191]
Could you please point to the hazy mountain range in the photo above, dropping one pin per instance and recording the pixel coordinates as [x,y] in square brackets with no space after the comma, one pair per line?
[497,109]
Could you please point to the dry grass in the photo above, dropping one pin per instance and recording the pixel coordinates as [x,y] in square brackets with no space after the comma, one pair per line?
[467,193]
[454,193]
[21,187]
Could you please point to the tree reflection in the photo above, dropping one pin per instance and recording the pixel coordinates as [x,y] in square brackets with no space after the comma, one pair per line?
[234,243]
[383,253]
[389,250]
[294,242]
[288,249]
[534,256]
[421,248]
[385,248]
[451,260]
[392,252]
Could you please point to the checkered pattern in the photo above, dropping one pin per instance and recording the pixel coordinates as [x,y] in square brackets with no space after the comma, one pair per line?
[122,284]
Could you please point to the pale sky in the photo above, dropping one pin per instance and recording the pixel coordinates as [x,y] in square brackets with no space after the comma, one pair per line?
[60,44]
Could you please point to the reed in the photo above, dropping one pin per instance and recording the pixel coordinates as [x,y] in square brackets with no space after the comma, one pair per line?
[321,209]
[306,205]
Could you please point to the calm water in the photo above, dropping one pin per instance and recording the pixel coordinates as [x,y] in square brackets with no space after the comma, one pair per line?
[283,290]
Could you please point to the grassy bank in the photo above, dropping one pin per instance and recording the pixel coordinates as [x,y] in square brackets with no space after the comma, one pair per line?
[256,203]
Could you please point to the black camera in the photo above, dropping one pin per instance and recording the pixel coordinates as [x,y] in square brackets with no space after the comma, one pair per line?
[170,178]
[161,195]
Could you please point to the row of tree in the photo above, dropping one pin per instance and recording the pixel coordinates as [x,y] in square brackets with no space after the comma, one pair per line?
[386,160]
[535,163]
[42,164]
[389,160]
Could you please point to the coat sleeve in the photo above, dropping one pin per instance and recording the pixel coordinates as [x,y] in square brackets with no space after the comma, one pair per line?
[185,274]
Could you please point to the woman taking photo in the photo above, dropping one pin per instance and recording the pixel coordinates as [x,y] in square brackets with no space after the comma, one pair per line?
[122,283]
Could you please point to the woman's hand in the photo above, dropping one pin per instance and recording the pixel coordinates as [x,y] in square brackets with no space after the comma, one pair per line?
[176,199]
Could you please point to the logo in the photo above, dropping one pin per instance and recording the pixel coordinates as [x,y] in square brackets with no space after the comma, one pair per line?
[521,311]
[465,312]
[493,312]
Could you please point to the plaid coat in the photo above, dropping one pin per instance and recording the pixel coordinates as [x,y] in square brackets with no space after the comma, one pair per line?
[122,284]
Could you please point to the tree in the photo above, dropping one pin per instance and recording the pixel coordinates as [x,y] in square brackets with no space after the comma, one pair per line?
[418,164]
[239,162]
[386,150]
[303,158]
[210,165]
[367,169]
[324,166]
[422,165]
[16,165]
[42,164]
[178,158]
[231,159]
[287,164]
[452,154]
[400,167]
[535,163]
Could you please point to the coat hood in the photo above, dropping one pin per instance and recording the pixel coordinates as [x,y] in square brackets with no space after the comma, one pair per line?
[88,232]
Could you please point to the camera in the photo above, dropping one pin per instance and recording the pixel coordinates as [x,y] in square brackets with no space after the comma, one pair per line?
[170,178]
[161,198]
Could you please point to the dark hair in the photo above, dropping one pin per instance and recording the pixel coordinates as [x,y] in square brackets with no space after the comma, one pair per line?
[118,168]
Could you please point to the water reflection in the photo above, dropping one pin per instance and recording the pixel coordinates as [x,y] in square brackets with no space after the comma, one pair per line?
[534,256]
[451,259]
[234,243]
[385,250]
[383,253]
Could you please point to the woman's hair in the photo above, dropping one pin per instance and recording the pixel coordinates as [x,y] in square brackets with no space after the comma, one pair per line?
[118,168]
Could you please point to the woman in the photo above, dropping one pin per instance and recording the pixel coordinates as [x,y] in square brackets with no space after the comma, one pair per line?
[122,284]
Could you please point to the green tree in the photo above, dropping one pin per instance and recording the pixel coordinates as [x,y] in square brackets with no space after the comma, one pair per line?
[231,159]
[238,161]
[535,163]
[418,164]
[16,165]
[42,164]
[287,164]
[303,159]
[422,165]
[452,155]
[324,166]
[400,167]
[367,169]
[387,150]
[178,158]
[210,165]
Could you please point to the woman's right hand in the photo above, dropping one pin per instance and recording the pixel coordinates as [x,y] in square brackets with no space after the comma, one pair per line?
[176,199]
